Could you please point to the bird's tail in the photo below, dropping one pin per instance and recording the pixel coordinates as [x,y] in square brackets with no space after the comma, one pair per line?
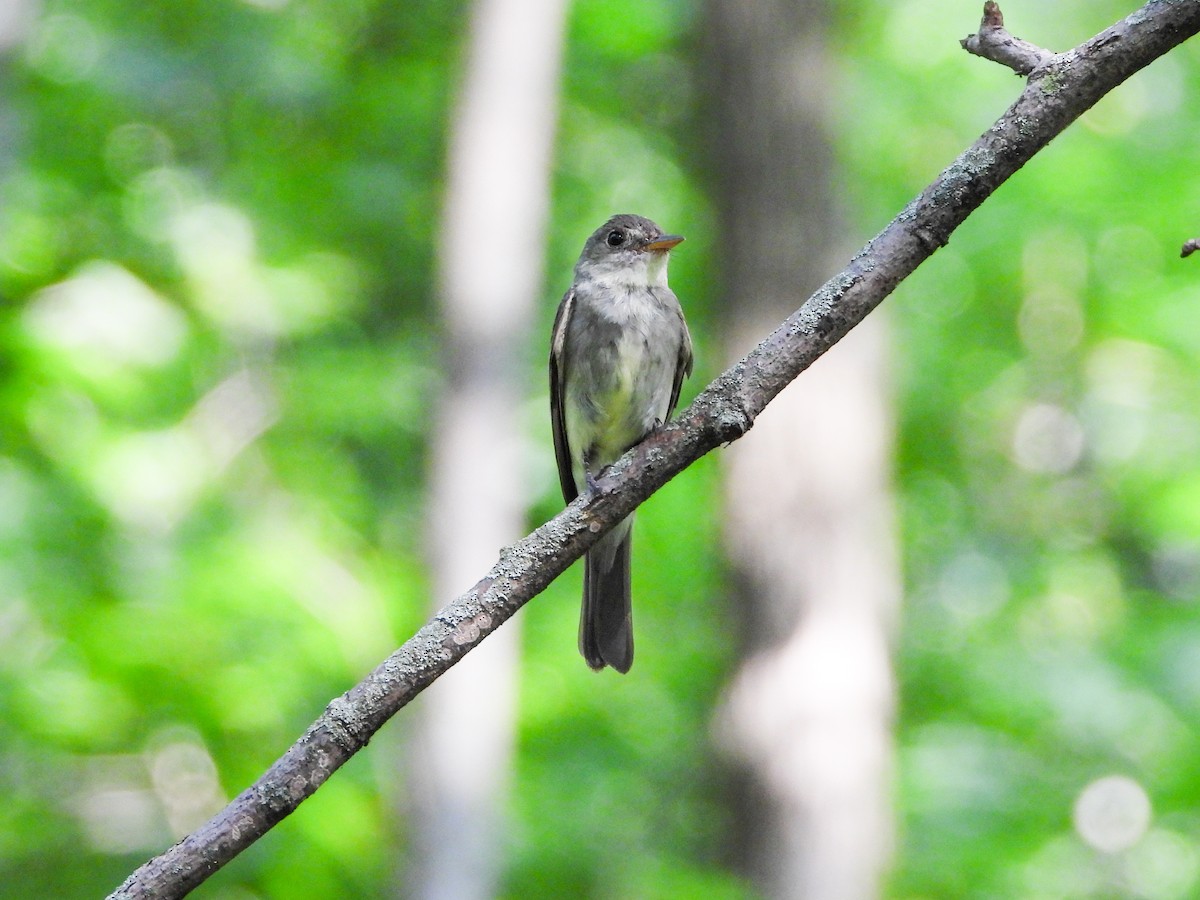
[606,621]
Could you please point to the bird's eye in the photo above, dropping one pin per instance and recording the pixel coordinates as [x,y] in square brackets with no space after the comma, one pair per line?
[616,238]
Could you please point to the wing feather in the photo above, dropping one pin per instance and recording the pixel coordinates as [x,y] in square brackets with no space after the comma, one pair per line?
[683,365]
[558,395]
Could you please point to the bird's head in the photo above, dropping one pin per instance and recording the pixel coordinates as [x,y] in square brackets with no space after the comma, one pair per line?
[628,248]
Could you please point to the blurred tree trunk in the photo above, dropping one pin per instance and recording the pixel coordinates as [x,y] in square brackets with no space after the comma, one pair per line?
[490,269]
[810,531]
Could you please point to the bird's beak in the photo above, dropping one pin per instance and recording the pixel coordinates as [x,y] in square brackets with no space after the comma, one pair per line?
[664,242]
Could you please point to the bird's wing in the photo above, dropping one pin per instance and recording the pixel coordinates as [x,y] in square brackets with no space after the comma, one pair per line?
[558,395]
[683,365]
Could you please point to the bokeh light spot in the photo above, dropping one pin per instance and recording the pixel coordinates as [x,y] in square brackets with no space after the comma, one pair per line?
[1051,321]
[65,48]
[107,313]
[1165,865]
[1112,813]
[1047,439]
[135,147]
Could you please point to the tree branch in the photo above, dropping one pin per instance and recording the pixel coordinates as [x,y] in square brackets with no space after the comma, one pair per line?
[993,42]
[1060,90]
[1190,246]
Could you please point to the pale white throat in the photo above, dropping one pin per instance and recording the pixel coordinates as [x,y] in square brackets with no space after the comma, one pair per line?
[646,269]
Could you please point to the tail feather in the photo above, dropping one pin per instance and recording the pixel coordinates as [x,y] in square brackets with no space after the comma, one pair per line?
[606,621]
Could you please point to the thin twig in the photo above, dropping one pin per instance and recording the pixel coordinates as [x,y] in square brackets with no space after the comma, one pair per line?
[1066,86]
[993,42]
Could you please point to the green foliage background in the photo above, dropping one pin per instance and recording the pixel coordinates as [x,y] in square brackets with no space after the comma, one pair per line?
[189,573]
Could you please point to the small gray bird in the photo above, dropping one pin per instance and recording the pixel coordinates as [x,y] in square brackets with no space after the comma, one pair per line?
[619,352]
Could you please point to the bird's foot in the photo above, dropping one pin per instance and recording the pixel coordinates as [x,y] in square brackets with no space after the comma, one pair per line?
[592,484]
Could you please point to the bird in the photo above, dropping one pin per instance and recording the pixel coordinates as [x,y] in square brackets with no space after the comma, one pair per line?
[619,352]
